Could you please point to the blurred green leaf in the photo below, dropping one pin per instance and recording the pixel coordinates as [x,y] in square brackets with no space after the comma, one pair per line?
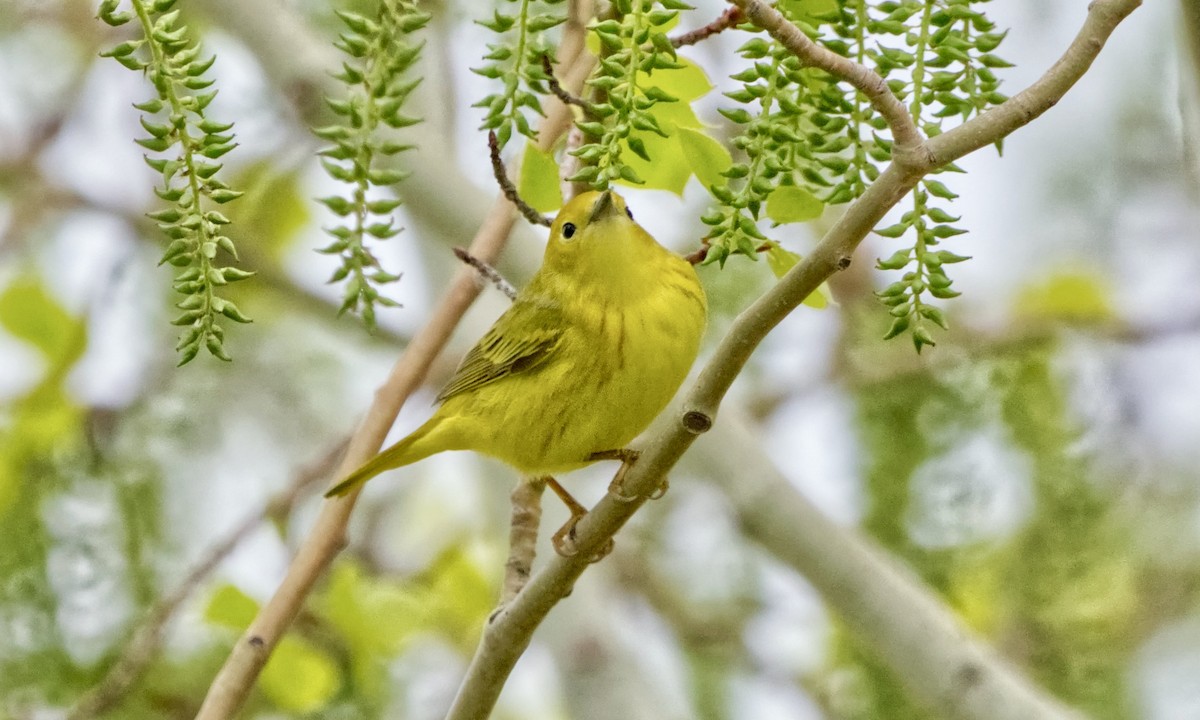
[230,607]
[781,260]
[1074,296]
[300,677]
[665,170]
[461,598]
[706,157]
[273,210]
[687,83]
[807,10]
[789,204]
[30,313]
[538,184]
[375,617]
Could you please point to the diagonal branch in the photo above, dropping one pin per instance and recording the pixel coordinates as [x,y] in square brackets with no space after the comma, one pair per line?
[928,648]
[487,273]
[511,629]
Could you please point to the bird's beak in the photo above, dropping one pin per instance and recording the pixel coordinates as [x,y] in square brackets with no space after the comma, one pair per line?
[604,207]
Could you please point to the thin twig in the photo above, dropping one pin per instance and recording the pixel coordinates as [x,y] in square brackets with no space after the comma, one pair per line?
[989,689]
[507,187]
[731,17]
[566,97]
[143,647]
[871,83]
[487,272]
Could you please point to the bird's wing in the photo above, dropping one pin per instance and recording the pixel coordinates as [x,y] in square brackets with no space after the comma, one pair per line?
[522,339]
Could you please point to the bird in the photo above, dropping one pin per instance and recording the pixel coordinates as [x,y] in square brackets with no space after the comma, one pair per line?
[589,352]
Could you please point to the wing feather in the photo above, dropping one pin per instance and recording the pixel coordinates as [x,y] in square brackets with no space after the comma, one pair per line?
[522,339]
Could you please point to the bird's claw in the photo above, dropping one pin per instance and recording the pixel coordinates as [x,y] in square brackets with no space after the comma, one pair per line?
[565,545]
[617,487]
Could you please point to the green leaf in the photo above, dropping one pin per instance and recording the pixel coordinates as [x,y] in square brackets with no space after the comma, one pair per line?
[538,182]
[687,82]
[1074,296]
[789,204]
[230,607]
[300,677]
[780,260]
[706,157]
[30,313]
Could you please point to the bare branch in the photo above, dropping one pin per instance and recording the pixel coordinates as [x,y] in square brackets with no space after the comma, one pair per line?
[881,97]
[143,647]
[945,667]
[731,17]
[506,638]
[522,537]
[563,96]
[487,272]
[507,187]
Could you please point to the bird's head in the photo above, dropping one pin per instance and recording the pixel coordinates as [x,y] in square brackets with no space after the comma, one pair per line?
[595,236]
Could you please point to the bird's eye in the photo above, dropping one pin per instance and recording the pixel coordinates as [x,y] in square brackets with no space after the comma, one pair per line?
[629,213]
[568,229]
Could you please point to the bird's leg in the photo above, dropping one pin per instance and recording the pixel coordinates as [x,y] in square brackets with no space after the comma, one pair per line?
[627,457]
[564,540]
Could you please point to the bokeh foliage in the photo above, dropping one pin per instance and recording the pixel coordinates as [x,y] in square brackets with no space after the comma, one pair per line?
[1070,590]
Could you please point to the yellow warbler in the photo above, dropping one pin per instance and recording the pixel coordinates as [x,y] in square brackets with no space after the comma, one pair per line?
[587,355]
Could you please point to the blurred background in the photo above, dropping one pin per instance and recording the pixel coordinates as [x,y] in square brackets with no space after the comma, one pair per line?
[1038,468]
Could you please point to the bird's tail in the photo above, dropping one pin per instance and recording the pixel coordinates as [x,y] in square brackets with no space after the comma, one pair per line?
[405,452]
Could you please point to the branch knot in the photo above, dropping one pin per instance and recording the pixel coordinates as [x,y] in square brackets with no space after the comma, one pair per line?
[697,422]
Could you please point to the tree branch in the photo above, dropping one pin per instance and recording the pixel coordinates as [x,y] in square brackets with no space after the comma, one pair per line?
[506,185]
[487,273]
[944,665]
[730,18]
[510,631]
[522,537]
[881,97]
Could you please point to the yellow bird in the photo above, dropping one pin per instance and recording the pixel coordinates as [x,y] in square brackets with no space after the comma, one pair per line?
[589,353]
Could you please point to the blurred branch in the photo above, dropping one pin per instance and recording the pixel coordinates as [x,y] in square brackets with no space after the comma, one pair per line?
[233,683]
[1189,91]
[942,664]
[507,636]
[146,642]
[522,538]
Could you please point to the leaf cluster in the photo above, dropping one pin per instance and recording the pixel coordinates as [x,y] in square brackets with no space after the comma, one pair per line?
[176,124]
[633,46]
[377,88]
[802,130]
[943,69]
[787,143]
[517,63]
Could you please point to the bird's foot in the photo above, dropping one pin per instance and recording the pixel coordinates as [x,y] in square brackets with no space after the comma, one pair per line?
[617,487]
[564,540]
